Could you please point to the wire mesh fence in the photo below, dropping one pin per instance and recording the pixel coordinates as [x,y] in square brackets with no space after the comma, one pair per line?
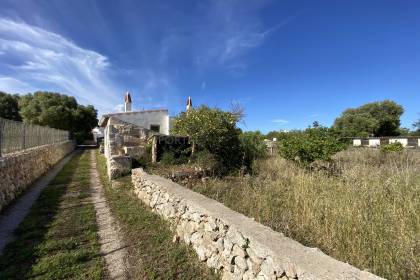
[16,136]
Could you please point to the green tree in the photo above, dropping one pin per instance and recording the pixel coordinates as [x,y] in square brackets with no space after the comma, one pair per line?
[378,118]
[212,130]
[58,111]
[9,108]
[310,145]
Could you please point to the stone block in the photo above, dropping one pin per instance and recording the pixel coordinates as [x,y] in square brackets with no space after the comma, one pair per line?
[135,152]
[119,166]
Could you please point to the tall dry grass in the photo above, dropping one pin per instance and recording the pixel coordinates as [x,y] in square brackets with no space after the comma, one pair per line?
[364,209]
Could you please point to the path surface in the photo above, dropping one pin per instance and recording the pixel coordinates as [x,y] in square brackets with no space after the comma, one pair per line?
[17,211]
[113,249]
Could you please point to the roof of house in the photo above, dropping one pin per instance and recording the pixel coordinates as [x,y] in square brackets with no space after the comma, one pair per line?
[104,119]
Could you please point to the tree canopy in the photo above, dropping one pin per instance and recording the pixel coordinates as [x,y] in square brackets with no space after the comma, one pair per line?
[212,130]
[314,143]
[58,111]
[377,118]
[9,108]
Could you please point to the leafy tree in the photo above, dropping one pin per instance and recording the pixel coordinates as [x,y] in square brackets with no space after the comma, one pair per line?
[212,130]
[59,111]
[9,108]
[310,145]
[378,118]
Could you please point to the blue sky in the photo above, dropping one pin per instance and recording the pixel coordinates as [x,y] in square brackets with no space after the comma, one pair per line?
[287,62]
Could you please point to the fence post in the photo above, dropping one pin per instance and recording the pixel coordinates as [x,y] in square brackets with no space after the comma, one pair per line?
[24,137]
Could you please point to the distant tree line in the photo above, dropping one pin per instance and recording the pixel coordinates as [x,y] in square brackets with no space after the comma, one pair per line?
[50,109]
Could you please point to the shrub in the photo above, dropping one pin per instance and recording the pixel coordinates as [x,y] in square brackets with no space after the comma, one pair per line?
[392,148]
[253,147]
[169,158]
[318,143]
[208,161]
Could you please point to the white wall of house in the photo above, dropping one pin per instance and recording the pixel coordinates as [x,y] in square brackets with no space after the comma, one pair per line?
[374,142]
[147,118]
[357,142]
[403,141]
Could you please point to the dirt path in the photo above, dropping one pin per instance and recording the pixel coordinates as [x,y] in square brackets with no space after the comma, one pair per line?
[14,214]
[112,247]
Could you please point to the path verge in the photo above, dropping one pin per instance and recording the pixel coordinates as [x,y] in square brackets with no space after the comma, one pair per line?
[112,247]
[13,215]
[151,252]
[58,238]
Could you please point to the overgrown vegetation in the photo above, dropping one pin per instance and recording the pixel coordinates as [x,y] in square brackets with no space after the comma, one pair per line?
[316,143]
[152,254]
[392,148]
[58,240]
[364,213]
[217,143]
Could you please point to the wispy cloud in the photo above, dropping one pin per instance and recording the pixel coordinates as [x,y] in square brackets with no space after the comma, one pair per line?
[280,121]
[225,32]
[34,58]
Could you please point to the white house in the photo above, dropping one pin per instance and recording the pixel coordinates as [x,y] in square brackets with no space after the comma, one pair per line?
[155,120]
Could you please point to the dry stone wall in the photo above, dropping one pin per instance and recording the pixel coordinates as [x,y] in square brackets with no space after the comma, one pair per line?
[235,245]
[19,170]
[122,142]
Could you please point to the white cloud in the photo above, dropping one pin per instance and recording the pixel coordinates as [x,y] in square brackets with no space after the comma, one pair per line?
[34,58]
[11,85]
[119,108]
[280,121]
[230,30]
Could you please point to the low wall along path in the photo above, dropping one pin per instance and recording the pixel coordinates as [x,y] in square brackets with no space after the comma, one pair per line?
[19,170]
[235,245]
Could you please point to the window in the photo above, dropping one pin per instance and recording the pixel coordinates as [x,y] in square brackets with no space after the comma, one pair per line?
[155,127]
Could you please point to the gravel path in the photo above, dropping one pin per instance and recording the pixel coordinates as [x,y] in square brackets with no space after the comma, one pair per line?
[17,211]
[112,247]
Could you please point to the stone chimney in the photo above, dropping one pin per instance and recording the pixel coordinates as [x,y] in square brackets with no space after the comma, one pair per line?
[127,102]
[189,104]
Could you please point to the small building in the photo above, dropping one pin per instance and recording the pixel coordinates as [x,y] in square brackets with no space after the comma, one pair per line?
[126,135]
[154,120]
[98,134]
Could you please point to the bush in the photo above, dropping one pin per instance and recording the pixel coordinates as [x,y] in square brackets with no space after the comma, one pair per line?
[169,158]
[318,143]
[392,148]
[253,147]
[208,161]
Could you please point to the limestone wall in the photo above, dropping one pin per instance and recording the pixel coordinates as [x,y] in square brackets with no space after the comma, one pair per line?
[235,245]
[19,170]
